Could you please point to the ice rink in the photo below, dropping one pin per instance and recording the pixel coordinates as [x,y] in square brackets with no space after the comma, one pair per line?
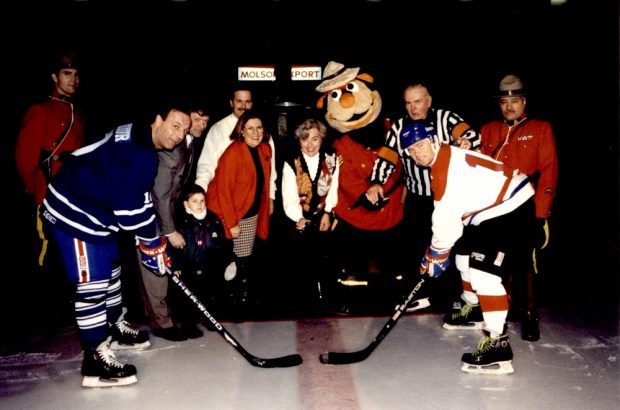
[417,366]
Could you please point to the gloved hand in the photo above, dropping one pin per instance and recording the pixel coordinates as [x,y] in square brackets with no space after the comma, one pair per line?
[155,255]
[543,232]
[435,261]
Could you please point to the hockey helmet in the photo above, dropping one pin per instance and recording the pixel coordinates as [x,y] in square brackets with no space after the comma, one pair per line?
[416,131]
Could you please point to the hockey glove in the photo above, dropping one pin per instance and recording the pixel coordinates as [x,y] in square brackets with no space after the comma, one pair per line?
[155,255]
[435,261]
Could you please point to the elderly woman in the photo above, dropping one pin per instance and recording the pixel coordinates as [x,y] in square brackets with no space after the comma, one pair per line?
[309,193]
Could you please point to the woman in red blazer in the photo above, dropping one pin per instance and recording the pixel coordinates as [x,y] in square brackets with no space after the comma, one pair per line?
[239,193]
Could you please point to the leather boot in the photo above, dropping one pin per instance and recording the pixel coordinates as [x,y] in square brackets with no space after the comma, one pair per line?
[529,326]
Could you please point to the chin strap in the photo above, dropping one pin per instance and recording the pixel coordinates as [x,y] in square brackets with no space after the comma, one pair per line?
[435,145]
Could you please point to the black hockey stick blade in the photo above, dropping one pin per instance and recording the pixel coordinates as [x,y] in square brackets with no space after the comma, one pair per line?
[360,355]
[284,361]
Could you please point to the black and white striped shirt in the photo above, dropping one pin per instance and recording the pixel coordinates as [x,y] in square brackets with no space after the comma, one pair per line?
[450,127]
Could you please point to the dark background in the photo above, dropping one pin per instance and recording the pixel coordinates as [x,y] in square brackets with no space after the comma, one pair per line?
[133,52]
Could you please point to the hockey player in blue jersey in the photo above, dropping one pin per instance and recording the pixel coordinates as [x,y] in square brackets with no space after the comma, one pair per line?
[104,188]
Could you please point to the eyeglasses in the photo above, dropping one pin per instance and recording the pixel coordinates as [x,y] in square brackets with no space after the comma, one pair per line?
[254,129]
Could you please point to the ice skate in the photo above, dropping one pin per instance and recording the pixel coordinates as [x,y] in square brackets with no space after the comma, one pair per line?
[493,356]
[100,368]
[457,305]
[124,336]
[468,318]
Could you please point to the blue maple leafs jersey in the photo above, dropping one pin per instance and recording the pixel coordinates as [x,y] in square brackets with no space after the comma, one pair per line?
[105,187]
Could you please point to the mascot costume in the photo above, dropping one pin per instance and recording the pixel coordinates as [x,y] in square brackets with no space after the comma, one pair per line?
[367,233]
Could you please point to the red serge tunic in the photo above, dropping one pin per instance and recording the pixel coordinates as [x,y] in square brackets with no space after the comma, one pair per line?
[43,125]
[528,146]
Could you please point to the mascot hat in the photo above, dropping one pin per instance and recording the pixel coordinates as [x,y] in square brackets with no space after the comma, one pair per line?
[336,75]
[416,131]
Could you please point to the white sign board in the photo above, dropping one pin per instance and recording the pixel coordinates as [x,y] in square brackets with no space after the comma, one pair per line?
[258,73]
[268,73]
[305,73]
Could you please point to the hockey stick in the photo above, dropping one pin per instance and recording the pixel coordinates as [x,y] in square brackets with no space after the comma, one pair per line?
[284,361]
[418,305]
[358,356]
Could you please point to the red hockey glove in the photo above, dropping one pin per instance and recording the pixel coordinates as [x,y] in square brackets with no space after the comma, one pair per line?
[435,261]
[155,255]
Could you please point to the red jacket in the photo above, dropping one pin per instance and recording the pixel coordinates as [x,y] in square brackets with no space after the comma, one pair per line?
[42,126]
[231,192]
[528,146]
[353,181]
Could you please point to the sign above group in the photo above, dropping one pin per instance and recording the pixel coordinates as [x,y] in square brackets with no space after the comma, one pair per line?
[268,73]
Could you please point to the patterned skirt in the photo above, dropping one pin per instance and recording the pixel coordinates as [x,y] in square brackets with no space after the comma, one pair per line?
[244,244]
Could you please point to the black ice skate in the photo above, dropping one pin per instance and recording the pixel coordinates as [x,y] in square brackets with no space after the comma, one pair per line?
[124,336]
[468,318]
[494,356]
[100,368]
[457,305]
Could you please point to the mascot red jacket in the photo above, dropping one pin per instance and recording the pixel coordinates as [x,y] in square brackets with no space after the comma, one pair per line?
[352,108]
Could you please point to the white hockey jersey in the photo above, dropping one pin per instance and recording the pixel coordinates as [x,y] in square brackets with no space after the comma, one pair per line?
[470,188]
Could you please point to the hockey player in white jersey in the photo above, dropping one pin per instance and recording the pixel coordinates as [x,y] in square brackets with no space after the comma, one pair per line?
[489,206]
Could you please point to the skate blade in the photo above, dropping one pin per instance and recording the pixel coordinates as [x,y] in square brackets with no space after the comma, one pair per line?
[137,346]
[417,305]
[467,326]
[95,381]
[498,368]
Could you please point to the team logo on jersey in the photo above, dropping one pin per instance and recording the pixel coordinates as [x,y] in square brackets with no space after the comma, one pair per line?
[122,133]
[478,256]
[49,217]
[499,258]
[525,138]
[82,262]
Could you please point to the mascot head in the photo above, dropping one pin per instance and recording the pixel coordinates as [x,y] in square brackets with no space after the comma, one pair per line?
[349,101]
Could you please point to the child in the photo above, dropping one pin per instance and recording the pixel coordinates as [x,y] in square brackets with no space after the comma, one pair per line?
[205,260]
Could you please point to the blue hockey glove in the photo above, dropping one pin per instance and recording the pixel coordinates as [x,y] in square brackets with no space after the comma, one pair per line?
[435,261]
[155,255]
